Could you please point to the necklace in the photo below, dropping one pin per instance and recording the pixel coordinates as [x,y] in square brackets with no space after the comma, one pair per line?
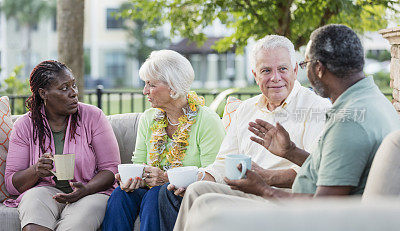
[176,150]
[169,121]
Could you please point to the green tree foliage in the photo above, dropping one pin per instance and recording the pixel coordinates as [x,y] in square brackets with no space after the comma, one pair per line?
[15,86]
[141,40]
[295,19]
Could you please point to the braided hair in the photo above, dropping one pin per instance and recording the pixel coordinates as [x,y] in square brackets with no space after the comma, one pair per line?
[41,77]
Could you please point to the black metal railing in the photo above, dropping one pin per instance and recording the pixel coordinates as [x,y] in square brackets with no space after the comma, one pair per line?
[117,101]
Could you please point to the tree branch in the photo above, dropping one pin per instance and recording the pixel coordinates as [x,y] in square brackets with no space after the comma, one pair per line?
[285,20]
[300,41]
[327,15]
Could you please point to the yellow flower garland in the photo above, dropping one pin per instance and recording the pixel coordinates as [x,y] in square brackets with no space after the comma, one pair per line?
[177,150]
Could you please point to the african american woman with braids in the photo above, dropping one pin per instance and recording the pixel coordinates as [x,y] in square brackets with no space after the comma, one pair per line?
[58,124]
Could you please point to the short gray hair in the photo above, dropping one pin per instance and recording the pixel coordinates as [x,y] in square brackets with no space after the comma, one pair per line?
[271,42]
[338,48]
[170,67]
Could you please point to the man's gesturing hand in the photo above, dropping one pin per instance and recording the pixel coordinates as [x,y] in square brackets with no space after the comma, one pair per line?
[274,139]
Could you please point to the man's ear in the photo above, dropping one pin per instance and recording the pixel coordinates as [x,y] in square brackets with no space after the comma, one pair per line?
[320,69]
[42,93]
[255,75]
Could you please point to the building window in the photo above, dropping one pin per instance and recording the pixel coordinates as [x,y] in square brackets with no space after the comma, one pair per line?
[112,22]
[116,67]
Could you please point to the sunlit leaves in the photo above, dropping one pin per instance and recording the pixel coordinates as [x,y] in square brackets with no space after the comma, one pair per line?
[295,19]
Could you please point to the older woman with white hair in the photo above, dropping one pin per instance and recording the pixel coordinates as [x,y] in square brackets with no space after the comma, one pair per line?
[177,131]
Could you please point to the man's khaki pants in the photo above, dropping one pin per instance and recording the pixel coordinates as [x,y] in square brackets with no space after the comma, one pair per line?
[205,196]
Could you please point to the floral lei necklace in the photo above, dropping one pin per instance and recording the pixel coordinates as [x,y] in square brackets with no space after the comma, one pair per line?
[159,138]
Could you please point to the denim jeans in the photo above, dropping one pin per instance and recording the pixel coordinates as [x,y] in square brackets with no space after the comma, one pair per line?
[123,209]
[169,205]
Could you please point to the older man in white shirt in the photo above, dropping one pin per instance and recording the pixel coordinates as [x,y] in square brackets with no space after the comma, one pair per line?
[283,100]
[299,110]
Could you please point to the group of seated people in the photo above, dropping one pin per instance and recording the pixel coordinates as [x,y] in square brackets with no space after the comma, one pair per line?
[296,139]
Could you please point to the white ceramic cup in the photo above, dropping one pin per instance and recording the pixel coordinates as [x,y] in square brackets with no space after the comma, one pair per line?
[182,177]
[231,163]
[127,171]
[64,166]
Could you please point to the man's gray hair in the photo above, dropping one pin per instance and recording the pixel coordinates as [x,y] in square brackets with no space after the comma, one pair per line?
[338,48]
[271,42]
[170,67]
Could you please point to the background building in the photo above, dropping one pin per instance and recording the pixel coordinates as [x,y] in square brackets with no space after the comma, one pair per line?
[104,43]
[107,61]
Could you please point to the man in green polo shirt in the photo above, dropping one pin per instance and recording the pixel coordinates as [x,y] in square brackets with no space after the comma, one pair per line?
[339,163]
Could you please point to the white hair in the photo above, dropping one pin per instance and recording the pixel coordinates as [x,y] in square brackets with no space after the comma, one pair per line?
[271,42]
[170,67]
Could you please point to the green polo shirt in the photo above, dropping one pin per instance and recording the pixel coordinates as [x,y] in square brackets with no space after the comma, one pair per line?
[355,127]
[205,138]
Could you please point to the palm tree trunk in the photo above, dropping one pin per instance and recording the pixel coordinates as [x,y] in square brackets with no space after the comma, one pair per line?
[70,20]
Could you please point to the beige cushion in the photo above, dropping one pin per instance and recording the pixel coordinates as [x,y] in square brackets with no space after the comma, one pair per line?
[384,176]
[125,128]
[232,104]
[5,131]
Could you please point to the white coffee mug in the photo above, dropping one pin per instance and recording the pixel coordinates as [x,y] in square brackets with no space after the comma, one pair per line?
[231,163]
[64,166]
[182,177]
[127,171]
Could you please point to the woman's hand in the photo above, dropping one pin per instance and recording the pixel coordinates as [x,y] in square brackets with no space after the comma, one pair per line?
[131,185]
[154,176]
[44,165]
[79,191]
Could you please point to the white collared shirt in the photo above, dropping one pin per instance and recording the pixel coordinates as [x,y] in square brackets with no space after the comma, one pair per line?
[302,114]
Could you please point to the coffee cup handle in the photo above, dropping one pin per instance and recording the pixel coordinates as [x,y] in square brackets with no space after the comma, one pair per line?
[204,174]
[244,169]
[52,158]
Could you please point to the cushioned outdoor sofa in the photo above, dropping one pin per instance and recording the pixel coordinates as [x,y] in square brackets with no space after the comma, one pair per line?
[380,209]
